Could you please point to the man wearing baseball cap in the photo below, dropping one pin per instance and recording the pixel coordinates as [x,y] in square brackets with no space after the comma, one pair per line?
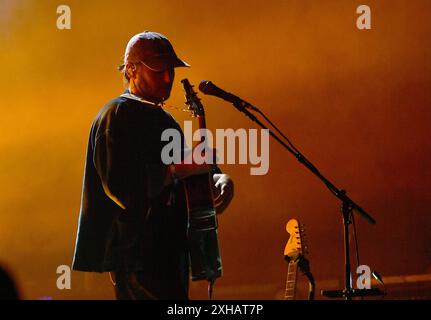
[151,52]
[133,215]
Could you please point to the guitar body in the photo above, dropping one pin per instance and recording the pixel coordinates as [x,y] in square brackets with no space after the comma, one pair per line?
[202,233]
[199,194]
[203,242]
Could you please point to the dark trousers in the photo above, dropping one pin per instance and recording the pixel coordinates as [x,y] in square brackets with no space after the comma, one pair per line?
[139,285]
[129,286]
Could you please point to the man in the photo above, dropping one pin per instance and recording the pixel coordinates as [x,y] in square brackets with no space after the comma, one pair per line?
[133,218]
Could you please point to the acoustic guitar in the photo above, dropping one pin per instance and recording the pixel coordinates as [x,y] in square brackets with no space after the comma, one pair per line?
[201,205]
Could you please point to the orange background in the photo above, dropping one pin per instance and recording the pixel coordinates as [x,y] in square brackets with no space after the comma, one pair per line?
[357,104]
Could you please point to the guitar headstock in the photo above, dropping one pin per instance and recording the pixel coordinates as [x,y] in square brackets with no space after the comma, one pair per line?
[193,103]
[294,254]
[296,245]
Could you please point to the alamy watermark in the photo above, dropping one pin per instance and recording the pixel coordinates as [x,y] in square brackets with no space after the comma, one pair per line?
[363,22]
[64,20]
[64,280]
[248,143]
[364,277]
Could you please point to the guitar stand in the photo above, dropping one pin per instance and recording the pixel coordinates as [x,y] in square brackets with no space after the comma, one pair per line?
[348,292]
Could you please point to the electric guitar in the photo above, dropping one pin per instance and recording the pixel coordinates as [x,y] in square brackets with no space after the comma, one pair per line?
[201,205]
[294,253]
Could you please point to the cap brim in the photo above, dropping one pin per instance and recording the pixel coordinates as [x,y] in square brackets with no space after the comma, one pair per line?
[181,63]
[160,63]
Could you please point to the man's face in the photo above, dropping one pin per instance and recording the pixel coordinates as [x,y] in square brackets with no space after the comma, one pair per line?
[152,85]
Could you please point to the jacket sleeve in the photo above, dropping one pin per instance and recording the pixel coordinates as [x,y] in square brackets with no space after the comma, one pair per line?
[117,161]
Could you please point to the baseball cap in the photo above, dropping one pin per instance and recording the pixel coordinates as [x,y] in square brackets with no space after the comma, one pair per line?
[154,50]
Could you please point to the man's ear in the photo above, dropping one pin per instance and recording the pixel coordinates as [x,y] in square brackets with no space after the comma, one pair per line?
[130,70]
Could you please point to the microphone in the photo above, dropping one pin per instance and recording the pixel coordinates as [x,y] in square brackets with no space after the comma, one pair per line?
[209,88]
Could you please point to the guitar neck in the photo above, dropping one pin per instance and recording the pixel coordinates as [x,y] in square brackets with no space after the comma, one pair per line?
[202,125]
[202,122]
[292,271]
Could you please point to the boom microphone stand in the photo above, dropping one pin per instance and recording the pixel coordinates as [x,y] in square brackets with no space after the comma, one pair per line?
[348,206]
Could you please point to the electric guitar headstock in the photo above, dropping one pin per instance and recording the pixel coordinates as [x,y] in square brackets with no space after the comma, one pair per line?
[295,246]
[295,253]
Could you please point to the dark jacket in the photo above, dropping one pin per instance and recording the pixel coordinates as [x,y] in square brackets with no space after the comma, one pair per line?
[128,220]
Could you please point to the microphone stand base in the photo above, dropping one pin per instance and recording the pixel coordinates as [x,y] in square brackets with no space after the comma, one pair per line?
[352,293]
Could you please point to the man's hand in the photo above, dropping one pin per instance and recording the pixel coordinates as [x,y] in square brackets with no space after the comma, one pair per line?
[224,185]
